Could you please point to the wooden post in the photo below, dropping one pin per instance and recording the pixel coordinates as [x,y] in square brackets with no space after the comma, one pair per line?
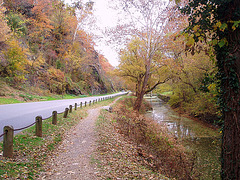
[8,141]
[85,103]
[70,108]
[110,109]
[93,101]
[90,103]
[38,126]
[54,117]
[65,113]
[80,104]
[75,107]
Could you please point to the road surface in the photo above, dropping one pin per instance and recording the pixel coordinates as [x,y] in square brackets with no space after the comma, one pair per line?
[23,114]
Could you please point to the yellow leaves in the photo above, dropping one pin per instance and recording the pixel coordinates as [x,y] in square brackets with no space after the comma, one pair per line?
[235,25]
[217,25]
[36,62]
[190,41]
[223,42]
[212,87]
[56,74]
[196,28]
[4,29]
[220,26]
[201,39]
[224,26]
[16,61]
[214,42]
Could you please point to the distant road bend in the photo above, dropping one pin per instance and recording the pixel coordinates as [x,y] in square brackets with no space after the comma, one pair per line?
[23,114]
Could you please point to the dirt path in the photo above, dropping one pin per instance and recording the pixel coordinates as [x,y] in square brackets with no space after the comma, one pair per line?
[73,156]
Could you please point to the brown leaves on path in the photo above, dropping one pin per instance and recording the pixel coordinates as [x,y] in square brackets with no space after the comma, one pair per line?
[72,158]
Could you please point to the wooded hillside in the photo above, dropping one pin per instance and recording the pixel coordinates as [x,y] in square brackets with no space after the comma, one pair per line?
[42,45]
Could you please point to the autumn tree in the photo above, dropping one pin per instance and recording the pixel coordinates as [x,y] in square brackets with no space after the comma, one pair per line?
[40,26]
[62,31]
[147,20]
[14,68]
[132,67]
[4,29]
[218,21]
[43,44]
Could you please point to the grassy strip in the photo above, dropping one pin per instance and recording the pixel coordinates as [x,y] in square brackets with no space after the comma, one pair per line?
[30,152]
[26,97]
[4,100]
[21,98]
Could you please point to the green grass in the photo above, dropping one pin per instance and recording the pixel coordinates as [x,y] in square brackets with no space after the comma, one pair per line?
[9,101]
[49,98]
[30,152]
[167,93]
[26,97]
[33,98]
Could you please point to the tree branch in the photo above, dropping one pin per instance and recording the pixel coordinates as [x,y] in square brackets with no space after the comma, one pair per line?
[159,82]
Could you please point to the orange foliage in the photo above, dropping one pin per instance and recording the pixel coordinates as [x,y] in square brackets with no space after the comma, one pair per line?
[86,39]
[107,67]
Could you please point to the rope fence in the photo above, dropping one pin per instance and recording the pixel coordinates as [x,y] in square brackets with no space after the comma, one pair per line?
[60,112]
[47,118]
[2,134]
[20,129]
[9,130]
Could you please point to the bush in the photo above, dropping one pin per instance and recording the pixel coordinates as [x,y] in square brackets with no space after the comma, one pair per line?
[160,149]
[202,104]
[16,60]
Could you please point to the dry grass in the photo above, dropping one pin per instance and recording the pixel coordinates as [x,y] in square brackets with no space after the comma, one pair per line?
[145,144]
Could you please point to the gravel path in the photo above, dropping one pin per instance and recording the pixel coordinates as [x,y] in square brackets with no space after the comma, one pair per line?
[72,159]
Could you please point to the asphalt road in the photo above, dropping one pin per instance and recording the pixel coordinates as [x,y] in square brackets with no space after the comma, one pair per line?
[23,114]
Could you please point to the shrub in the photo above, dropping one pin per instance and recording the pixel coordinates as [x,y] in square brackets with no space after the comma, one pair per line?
[15,67]
[160,149]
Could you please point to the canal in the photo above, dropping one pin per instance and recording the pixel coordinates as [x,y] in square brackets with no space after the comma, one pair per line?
[196,136]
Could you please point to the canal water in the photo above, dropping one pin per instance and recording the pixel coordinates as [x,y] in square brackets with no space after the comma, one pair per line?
[195,136]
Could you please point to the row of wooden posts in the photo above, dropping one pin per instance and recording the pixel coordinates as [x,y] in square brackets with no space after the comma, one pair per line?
[9,130]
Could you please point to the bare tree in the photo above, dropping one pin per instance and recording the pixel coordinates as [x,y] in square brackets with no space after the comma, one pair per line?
[145,19]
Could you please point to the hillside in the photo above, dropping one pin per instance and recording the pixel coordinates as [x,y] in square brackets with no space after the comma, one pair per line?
[43,48]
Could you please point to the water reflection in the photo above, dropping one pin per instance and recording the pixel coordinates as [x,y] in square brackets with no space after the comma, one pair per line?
[194,135]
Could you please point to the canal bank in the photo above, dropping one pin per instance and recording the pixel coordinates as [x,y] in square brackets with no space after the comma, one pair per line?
[202,140]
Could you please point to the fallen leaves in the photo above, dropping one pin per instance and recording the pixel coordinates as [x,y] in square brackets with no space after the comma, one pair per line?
[118,158]
[30,152]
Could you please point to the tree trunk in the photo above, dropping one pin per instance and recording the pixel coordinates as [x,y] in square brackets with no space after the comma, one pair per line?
[228,59]
[138,101]
[142,89]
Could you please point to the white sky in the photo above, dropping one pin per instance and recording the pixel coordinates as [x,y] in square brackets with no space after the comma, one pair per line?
[105,18]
